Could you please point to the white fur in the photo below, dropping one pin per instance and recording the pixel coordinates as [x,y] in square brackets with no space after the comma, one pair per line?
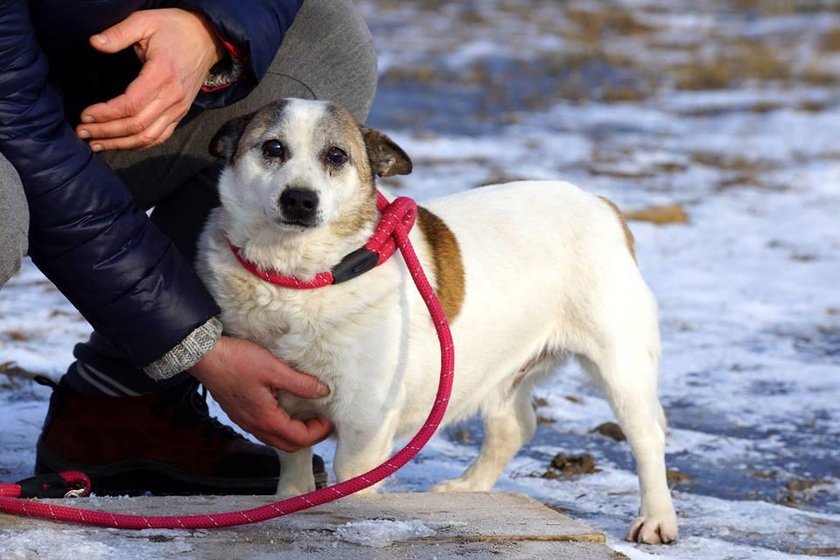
[548,274]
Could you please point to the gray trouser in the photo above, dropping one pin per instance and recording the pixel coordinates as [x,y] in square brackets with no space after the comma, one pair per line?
[14,221]
[327,54]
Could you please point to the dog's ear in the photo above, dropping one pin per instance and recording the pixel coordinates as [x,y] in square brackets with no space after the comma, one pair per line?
[224,143]
[386,158]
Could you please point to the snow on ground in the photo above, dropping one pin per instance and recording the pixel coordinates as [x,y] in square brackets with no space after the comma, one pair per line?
[379,533]
[730,110]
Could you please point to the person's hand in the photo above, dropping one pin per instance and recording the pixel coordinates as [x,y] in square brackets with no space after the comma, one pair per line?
[177,49]
[244,378]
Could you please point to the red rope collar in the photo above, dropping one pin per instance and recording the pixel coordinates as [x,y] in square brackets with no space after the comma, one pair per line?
[396,221]
[398,214]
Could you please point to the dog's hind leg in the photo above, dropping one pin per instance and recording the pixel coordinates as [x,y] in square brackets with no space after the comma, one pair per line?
[509,422]
[627,372]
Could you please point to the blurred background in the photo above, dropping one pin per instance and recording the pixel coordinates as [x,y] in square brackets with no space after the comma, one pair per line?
[715,126]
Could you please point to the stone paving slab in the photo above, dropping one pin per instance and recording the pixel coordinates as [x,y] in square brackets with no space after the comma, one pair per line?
[418,525]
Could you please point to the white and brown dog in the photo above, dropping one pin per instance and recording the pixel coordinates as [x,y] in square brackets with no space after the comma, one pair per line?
[529,273]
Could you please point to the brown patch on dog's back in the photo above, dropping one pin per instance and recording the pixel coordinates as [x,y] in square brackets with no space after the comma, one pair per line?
[446,255]
[628,235]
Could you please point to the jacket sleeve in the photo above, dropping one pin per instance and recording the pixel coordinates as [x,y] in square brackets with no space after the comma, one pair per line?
[86,235]
[253,29]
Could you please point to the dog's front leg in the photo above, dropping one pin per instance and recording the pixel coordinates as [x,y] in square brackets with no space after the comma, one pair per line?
[295,473]
[360,449]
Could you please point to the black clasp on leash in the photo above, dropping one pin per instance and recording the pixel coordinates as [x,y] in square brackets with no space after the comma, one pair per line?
[354,264]
[57,485]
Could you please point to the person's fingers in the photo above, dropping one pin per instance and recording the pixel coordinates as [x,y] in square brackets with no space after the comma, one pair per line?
[169,131]
[156,134]
[127,105]
[156,84]
[153,125]
[125,126]
[299,384]
[277,442]
[129,31]
[318,430]
[301,433]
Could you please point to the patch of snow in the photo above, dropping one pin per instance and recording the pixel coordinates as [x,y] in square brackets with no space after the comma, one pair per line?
[379,533]
[45,544]
[50,545]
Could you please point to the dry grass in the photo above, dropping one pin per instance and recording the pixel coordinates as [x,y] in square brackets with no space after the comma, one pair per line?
[731,67]
[762,107]
[800,491]
[15,376]
[659,215]
[830,41]
[587,26]
[418,74]
[17,335]
[614,54]
[768,8]
[812,106]
[814,74]
[726,162]
[737,171]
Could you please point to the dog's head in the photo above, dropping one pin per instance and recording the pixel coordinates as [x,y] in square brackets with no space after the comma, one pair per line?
[303,164]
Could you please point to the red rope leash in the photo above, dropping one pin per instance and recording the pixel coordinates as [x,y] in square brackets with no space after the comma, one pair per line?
[398,217]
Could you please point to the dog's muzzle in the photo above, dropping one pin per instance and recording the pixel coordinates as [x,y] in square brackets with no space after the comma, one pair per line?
[299,206]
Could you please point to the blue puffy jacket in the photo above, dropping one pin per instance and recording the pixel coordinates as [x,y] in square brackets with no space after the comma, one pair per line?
[86,235]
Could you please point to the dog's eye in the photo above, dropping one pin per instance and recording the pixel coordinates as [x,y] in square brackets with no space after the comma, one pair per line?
[274,149]
[337,156]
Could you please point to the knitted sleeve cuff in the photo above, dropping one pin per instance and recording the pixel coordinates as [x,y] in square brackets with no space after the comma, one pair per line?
[226,72]
[187,353]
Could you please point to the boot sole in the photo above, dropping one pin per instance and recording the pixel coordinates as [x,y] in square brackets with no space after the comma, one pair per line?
[149,478]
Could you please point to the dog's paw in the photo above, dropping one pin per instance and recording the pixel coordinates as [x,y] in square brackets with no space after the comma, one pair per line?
[654,529]
[292,489]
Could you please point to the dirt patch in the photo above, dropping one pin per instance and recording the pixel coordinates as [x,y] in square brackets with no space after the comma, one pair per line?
[763,475]
[539,402]
[611,430]
[677,478]
[464,436]
[565,466]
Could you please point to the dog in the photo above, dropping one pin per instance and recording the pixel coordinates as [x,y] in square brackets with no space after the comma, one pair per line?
[529,273]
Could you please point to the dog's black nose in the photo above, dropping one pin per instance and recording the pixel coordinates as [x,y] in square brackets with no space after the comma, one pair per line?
[299,205]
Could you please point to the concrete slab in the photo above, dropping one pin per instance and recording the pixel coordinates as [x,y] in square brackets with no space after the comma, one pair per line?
[382,526]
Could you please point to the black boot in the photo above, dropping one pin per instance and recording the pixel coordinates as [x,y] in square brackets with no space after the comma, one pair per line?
[161,444]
